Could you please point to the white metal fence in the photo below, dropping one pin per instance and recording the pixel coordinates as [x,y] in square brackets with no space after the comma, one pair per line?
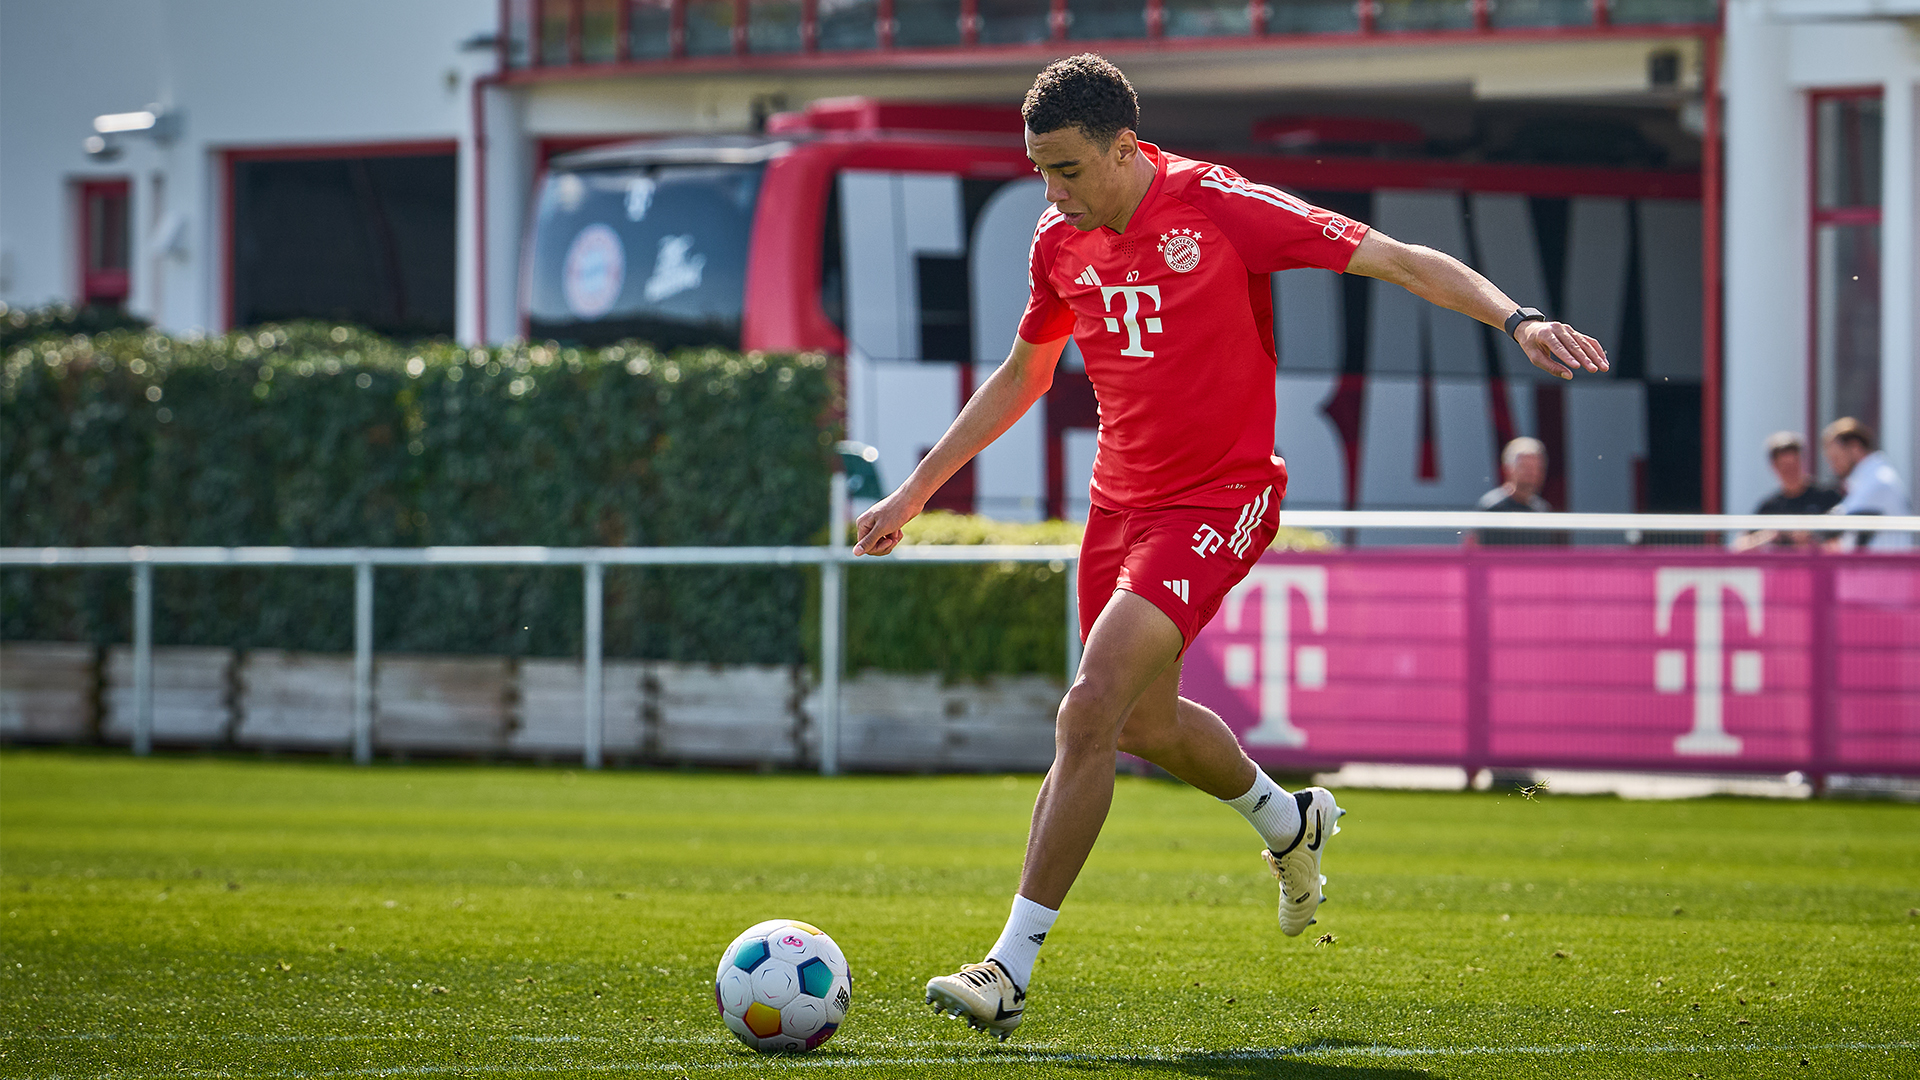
[832,561]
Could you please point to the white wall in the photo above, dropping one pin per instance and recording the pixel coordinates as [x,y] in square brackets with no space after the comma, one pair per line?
[243,75]
[1771,65]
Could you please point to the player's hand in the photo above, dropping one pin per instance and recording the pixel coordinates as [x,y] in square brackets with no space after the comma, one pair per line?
[879,529]
[1559,349]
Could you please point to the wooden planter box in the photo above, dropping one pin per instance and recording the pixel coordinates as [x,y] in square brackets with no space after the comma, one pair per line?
[193,696]
[442,704]
[551,717]
[48,691]
[669,713]
[893,721]
[733,715]
[296,701]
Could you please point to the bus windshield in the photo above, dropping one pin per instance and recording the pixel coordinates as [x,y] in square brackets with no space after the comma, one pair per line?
[654,252]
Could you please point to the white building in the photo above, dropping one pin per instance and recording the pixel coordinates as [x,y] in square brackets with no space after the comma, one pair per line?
[1820,226]
[375,159]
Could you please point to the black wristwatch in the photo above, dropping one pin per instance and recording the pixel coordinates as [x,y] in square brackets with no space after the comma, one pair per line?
[1525,314]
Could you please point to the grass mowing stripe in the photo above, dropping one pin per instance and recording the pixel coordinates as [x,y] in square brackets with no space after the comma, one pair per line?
[1029,1057]
[218,916]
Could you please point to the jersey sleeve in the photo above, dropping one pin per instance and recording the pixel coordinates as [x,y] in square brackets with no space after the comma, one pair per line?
[1047,318]
[1273,230]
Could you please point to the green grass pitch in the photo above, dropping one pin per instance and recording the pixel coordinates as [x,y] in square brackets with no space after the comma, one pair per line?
[227,917]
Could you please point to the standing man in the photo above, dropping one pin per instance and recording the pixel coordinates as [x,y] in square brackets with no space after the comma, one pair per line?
[1872,485]
[1158,267]
[1523,472]
[1798,494]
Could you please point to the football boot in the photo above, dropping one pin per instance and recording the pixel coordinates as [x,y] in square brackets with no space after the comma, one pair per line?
[1298,867]
[982,994]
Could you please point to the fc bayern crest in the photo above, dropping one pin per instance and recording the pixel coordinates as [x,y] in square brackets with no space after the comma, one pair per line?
[1181,248]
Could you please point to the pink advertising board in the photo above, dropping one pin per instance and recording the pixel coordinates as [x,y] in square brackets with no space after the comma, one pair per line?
[1645,659]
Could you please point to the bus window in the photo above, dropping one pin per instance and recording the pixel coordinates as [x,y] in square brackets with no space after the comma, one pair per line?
[656,252]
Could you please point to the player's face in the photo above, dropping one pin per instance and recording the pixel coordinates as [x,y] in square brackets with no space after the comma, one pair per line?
[1087,183]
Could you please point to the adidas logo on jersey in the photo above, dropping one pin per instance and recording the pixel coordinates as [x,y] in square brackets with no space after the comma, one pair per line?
[1089,277]
[1178,588]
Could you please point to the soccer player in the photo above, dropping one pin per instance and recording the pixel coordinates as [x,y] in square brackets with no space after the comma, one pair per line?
[1158,267]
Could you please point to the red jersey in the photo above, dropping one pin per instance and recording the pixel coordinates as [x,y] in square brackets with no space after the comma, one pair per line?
[1175,319]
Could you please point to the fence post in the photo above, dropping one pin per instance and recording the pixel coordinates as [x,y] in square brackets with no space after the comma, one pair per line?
[142,656]
[362,662]
[1073,621]
[1822,694]
[595,714]
[833,625]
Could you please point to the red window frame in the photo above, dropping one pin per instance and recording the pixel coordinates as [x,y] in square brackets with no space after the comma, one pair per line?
[98,284]
[1817,217]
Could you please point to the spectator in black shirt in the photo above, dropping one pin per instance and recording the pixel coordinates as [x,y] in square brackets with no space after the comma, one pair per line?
[1798,494]
[1523,467]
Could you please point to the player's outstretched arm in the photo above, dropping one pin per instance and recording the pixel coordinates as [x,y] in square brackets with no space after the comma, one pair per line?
[1553,347]
[1004,398]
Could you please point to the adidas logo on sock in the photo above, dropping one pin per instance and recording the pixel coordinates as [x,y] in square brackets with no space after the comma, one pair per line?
[1089,277]
[1262,802]
[1178,588]
[1039,938]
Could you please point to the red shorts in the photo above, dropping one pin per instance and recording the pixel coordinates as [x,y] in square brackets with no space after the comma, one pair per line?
[1182,559]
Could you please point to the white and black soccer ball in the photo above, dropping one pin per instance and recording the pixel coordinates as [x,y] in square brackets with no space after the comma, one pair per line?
[783,986]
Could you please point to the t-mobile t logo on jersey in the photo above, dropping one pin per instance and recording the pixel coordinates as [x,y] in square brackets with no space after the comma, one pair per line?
[1136,345]
[1708,585]
[1207,541]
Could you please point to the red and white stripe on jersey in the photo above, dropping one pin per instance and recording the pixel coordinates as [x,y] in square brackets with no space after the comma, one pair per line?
[1220,178]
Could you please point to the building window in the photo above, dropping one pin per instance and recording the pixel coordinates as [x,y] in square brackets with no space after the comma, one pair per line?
[104,235]
[1846,133]
[361,236]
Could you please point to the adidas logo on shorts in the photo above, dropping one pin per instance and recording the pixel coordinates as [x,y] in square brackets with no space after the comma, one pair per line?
[1178,588]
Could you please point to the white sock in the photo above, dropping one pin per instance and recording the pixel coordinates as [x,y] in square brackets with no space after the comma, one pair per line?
[1020,942]
[1273,813]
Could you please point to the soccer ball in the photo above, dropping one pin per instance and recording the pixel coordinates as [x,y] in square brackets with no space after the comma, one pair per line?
[783,986]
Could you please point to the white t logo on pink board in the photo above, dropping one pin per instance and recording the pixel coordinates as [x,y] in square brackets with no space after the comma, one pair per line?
[1280,667]
[1709,734]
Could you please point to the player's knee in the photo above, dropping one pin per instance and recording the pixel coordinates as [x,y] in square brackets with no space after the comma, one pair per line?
[1088,721]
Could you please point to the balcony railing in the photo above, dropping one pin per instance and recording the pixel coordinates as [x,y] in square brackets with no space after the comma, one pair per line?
[587,34]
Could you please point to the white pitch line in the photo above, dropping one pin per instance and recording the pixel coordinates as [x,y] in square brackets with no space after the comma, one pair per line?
[1155,1057]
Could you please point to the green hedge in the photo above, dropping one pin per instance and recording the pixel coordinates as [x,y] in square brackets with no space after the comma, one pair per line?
[973,620]
[21,325]
[327,436]
[962,621]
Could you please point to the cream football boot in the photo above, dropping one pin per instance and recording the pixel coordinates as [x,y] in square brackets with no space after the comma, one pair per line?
[1298,867]
[983,994]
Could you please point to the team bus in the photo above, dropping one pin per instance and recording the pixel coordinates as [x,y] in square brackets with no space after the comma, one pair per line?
[894,237]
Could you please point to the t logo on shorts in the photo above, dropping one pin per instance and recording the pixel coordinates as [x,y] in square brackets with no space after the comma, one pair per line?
[1209,541]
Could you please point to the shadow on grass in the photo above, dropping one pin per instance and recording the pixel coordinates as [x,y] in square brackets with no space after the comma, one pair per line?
[1296,1062]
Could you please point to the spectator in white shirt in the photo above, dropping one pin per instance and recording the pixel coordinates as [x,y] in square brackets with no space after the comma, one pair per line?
[1872,486]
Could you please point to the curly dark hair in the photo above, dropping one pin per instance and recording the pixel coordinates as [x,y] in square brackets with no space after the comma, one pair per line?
[1086,91]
